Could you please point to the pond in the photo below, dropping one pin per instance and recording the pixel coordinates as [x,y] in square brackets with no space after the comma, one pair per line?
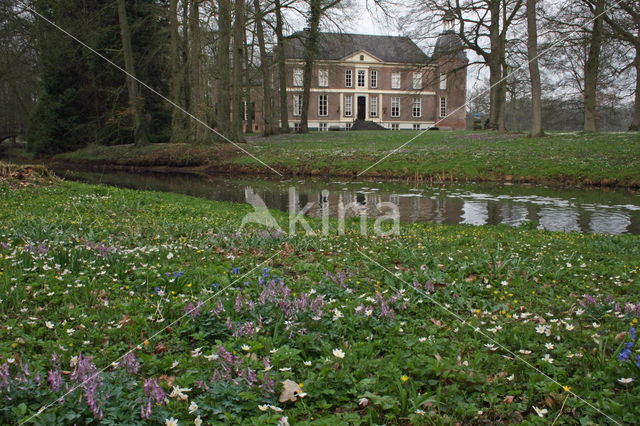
[579,210]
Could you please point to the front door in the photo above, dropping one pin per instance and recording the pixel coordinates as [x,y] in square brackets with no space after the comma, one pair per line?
[362,107]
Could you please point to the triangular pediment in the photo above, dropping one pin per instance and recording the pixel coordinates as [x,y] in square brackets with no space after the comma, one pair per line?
[366,57]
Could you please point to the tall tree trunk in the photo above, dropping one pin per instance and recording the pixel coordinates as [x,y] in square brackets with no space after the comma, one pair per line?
[495,65]
[223,92]
[265,67]
[140,137]
[635,124]
[177,121]
[248,53]
[282,70]
[534,70]
[238,58]
[186,80]
[591,67]
[310,47]
[197,100]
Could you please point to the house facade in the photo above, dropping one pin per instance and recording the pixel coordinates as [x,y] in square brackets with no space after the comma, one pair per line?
[386,80]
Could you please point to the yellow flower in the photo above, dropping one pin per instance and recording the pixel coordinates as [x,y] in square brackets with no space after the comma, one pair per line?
[566,388]
[404,378]
[301,385]
[635,320]
[146,343]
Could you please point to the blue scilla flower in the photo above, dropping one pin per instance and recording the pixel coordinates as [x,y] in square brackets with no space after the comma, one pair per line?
[626,352]
[156,290]
[246,283]
[235,271]
[632,333]
[168,274]
[265,272]
[638,361]
[177,274]
[214,286]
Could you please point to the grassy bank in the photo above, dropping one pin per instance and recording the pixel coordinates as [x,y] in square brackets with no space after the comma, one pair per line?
[599,159]
[219,318]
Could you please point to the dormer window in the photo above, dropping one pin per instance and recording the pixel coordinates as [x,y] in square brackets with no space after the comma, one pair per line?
[362,57]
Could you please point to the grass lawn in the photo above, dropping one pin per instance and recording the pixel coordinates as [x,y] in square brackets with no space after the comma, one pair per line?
[407,329]
[603,158]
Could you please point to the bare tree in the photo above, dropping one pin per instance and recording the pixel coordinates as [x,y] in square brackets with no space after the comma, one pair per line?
[282,70]
[266,69]
[534,70]
[139,130]
[223,66]
[483,26]
[624,23]
[592,65]
[238,59]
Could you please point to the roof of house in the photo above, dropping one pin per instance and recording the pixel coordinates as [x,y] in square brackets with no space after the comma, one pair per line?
[336,46]
[449,45]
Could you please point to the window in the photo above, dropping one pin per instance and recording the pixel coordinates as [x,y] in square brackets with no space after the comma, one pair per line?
[416,107]
[323,78]
[362,57]
[417,80]
[395,80]
[395,106]
[373,108]
[416,127]
[347,126]
[322,127]
[362,77]
[443,82]
[297,77]
[395,126]
[297,105]
[347,78]
[322,105]
[374,79]
[245,114]
[296,127]
[348,102]
[443,107]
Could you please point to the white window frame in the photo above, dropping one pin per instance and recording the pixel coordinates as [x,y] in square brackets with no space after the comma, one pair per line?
[443,82]
[373,75]
[417,81]
[443,107]
[395,126]
[347,126]
[416,126]
[323,127]
[298,76]
[361,82]
[320,105]
[417,108]
[395,80]
[373,106]
[245,111]
[348,78]
[296,126]
[348,105]
[297,105]
[323,78]
[395,100]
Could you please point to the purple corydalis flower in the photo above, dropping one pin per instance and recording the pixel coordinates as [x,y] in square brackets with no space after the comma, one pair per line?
[193,310]
[154,394]
[87,376]
[130,363]
[5,377]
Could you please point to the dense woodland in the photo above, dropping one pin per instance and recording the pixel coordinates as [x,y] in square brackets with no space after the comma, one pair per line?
[75,72]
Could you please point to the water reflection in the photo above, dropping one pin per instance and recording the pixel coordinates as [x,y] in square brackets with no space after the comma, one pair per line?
[555,210]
